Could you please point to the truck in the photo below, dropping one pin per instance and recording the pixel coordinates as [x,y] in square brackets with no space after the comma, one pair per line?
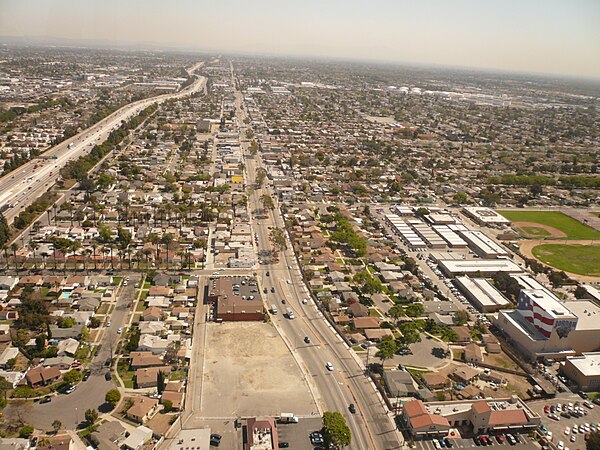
[290,313]
[288,418]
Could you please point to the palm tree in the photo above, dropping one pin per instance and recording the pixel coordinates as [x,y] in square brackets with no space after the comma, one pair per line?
[14,247]
[155,239]
[167,240]
[33,245]
[94,247]
[86,254]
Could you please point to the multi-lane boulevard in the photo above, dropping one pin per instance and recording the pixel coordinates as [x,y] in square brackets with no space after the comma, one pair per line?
[21,187]
[371,426]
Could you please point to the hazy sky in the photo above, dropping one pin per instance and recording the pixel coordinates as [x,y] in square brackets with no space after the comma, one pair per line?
[547,36]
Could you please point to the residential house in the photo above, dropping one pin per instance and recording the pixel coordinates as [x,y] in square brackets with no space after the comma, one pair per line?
[148,377]
[473,353]
[42,376]
[138,438]
[142,409]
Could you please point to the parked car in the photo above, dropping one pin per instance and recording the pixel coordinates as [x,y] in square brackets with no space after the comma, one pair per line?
[86,375]
[107,376]
[316,438]
[215,440]
[46,399]
[329,366]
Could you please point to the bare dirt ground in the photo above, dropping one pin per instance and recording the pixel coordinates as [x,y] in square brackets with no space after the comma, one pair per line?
[553,231]
[249,371]
[527,246]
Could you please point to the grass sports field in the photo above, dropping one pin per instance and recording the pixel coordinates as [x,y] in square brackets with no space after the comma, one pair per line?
[572,228]
[579,259]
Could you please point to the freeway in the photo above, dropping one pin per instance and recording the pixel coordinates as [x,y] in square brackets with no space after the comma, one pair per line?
[21,187]
[371,426]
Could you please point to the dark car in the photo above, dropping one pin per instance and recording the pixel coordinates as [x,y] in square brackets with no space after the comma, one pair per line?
[215,440]
[476,441]
[267,274]
[46,399]
[265,291]
[272,289]
[86,375]
[284,445]
[307,339]
[316,438]
[448,442]
[352,408]
[107,376]
[108,362]
[283,301]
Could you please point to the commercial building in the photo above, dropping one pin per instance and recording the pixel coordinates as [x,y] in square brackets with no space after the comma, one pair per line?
[436,419]
[485,216]
[485,267]
[482,245]
[235,299]
[261,434]
[583,370]
[481,294]
[544,327]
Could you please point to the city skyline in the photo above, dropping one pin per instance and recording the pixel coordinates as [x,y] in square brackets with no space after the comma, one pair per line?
[535,37]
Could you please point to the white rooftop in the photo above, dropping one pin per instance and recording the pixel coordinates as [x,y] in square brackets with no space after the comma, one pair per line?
[588,363]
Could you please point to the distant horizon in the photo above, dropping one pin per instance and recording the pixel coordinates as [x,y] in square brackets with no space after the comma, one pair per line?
[107,44]
[546,37]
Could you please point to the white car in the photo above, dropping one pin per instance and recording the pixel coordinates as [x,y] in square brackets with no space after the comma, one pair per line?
[549,435]
[304,301]
[567,430]
[560,445]
[329,366]
[119,330]
[573,437]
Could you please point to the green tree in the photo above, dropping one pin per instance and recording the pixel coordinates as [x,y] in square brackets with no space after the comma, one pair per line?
[461,317]
[56,425]
[161,381]
[73,376]
[460,198]
[414,310]
[26,432]
[387,349]
[5,386]
[134,340]
[580,292]
[112,397]
[168,405]
[593,443]
[336,430]
[91,415]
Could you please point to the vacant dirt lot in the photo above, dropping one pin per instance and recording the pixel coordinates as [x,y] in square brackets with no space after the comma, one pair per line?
[249,371]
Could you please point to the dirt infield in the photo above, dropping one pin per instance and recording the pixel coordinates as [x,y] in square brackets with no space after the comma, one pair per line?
[522,226]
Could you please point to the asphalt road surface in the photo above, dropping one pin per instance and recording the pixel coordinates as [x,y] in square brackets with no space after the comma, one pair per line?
[21,187]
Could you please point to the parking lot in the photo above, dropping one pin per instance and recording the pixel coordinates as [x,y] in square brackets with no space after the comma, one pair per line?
[298,434]
[250,372]
[526,443]
[557,427]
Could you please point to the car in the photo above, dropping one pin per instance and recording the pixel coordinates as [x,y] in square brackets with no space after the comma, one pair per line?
[283,301]
[86,375]
[587,404]
[108,323]
[500,439]
[316,438]
[215,440]
[305,301]
[436,444]
[546,409]
[120,330]
[575,429]
[554,417]
[267,274]
[476,441]
[573,438]
[560,445]
[284,444]
[567,430]
[448,443]
[306,339]
[329,366]
[70,390]
[46,399]
[511,440]
[108,362]
[517,438]
[272,290]
[549,435]
[352,408]
[265,291]
[107,376]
